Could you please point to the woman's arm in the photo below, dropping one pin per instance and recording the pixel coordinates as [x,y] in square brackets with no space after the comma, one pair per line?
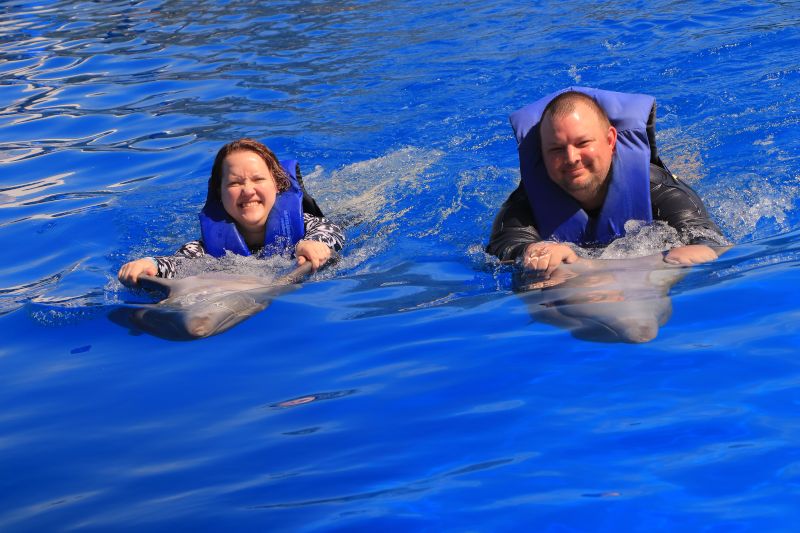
[323,230]
[322,238]
[162,267]
[167,265]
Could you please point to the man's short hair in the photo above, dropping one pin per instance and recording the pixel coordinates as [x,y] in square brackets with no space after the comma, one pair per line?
[564,104]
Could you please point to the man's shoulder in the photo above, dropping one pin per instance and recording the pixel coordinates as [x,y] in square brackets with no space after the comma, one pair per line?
[659,174]
[662,179]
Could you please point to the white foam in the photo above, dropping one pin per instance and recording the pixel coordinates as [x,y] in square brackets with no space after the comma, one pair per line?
[640,239]
[371,199]
[268,268]
[746,205]
[751,206]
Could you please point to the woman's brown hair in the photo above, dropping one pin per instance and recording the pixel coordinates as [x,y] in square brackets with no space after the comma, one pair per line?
[246,145]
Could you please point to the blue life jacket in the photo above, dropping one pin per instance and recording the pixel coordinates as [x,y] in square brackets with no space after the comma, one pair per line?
[283,229]
[557,214]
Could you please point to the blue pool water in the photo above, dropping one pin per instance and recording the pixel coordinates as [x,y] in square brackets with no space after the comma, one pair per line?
[407,389]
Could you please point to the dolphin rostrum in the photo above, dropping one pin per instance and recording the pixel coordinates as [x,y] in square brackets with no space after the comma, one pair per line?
[605,299]
[206,304]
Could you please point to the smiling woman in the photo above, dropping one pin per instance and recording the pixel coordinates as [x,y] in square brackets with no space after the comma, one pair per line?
[255,205]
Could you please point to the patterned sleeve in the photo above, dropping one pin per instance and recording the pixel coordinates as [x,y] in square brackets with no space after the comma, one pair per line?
[167,265]
[323,230]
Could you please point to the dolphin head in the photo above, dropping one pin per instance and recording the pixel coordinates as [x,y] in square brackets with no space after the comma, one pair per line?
[200,306]
[608,300]
[625,320]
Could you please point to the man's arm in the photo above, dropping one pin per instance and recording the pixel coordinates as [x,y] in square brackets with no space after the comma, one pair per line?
[513,227]
[678,205]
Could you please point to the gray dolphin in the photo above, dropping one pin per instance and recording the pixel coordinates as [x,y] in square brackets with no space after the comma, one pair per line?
[204,305]
[605,299]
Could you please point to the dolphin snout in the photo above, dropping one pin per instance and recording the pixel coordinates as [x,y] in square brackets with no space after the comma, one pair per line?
[199,327]
[639,333]
[634,329]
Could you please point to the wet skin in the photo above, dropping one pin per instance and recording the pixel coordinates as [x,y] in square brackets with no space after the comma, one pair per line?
[577,149]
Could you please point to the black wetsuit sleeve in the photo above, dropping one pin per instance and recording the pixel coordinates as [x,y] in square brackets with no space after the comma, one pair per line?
[677,204]
[513,227]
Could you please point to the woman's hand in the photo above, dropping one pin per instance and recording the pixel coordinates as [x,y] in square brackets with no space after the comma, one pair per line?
[693,254]
[546,256]
[130,272]
[316,252]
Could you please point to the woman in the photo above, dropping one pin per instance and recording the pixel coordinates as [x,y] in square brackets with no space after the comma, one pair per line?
[255,205]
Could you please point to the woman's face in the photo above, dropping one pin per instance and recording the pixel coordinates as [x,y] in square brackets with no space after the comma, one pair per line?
[248,190]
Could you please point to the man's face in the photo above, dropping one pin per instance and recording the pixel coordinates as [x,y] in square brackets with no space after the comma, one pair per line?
[577,152]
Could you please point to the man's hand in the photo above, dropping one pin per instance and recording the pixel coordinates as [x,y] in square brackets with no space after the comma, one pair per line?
[692,254]
[316,252]
[545,256]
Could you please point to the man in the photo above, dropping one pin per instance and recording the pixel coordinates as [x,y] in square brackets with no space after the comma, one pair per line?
[584,175]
